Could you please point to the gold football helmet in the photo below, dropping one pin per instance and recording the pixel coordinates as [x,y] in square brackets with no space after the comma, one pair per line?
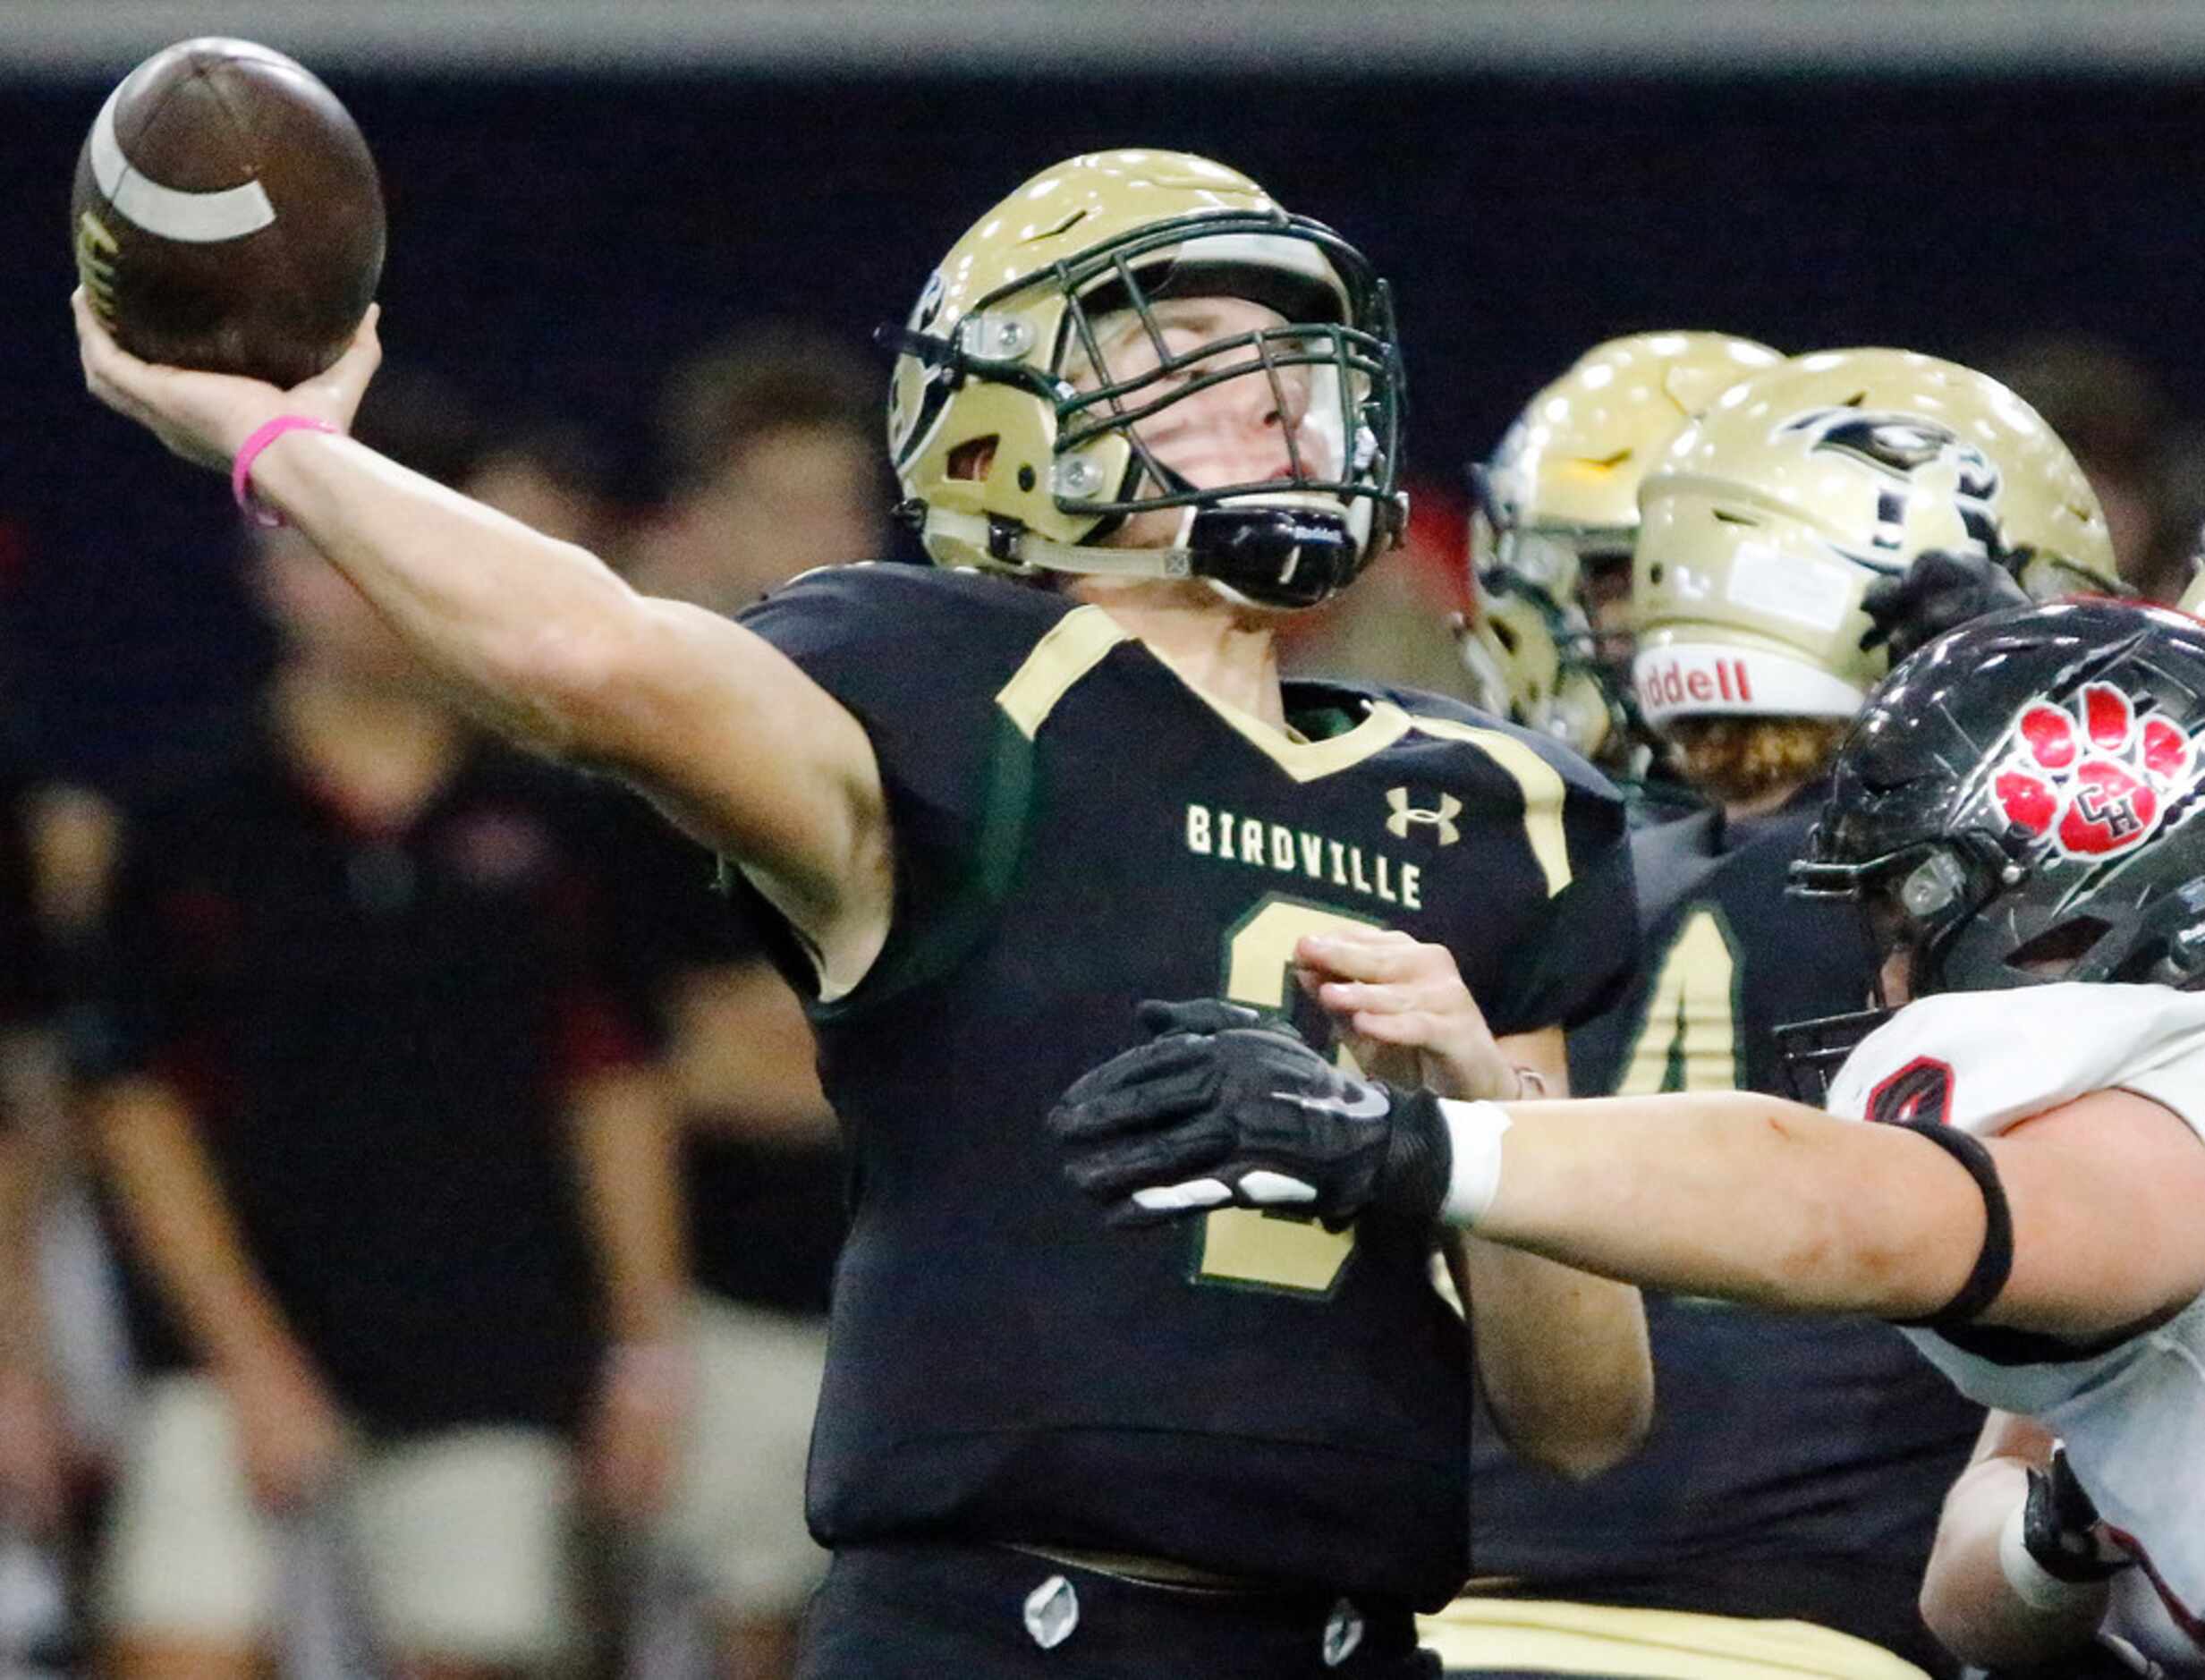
[1558,499]
[1771,515]
[1525,661]
[1019,450]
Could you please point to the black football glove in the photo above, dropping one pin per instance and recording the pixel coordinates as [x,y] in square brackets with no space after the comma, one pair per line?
[2060,1526]
[1939,591]
[1225,1107]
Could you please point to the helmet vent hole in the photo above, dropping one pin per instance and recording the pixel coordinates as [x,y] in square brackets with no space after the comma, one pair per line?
[2054,951]
[1064,226]
[1725,516]
[969,461]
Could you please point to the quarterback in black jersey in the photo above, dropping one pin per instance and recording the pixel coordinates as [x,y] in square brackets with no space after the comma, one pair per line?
[992,814]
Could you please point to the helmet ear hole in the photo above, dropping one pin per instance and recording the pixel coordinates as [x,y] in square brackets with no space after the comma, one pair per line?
[2058,949]
[969,461]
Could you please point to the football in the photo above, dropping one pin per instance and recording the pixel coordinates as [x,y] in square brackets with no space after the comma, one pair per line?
[227,214]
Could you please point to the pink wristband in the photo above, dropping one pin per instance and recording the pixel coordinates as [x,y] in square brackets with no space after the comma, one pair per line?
[240,469]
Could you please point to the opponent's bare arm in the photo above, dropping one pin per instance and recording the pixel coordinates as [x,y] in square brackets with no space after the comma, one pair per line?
[1739,1196]
[541,640]
[1562,1355]
[1967,1599]
[1757,1200]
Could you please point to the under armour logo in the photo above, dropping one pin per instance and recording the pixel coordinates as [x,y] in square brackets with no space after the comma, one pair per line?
[1443,818]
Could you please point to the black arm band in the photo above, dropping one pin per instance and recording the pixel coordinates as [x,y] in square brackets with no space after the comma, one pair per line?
[1997,1259]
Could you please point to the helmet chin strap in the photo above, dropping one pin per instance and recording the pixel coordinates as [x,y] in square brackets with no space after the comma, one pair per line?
[1026,551]
[1219,587]
[1250,549]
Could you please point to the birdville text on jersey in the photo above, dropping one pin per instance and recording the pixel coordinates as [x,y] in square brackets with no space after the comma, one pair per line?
[1272,845]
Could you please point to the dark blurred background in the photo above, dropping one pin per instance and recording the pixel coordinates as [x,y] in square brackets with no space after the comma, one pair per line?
[575,205]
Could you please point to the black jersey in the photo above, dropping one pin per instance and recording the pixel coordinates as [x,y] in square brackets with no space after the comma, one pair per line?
[1796,1465]
[1078,829]
[26,977]
[1712,901]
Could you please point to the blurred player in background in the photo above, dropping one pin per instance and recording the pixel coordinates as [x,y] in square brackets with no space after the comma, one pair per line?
[992,813]
[550,477]
[1548,641]
[774,460]
[390,1162]
[31,1441]
[772,467]
[2112,408]
[2016,817]
[1797,1464]
[39,1456]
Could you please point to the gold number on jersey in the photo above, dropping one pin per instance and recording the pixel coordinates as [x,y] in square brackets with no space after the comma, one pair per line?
[1241,1245]
[1690,1041]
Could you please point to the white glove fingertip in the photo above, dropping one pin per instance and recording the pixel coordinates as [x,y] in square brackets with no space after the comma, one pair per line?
[1265,1189]
[1195,1193]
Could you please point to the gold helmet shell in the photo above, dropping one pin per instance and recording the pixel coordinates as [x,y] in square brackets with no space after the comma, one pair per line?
[1560,490]
[1770,516]
[1563,482]
[1520,657]
[1019,452]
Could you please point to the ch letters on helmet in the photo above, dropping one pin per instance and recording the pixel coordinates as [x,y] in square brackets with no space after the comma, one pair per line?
[2093,778]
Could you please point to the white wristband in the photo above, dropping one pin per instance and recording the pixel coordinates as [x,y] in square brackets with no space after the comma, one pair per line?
[2033,1584]
[1474,1131]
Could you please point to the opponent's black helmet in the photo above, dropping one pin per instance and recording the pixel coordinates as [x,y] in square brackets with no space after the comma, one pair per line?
[2021,803]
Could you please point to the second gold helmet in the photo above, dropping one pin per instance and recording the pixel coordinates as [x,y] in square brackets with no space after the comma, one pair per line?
[1771,515]
[1559,497]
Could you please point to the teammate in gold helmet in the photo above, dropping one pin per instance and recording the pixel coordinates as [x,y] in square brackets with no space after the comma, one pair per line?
[1770,519]
[1554,522]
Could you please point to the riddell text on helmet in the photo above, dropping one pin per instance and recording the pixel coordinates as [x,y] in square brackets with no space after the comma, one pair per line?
[1674,683]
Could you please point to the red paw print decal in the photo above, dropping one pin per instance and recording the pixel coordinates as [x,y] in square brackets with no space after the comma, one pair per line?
[2090,779]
